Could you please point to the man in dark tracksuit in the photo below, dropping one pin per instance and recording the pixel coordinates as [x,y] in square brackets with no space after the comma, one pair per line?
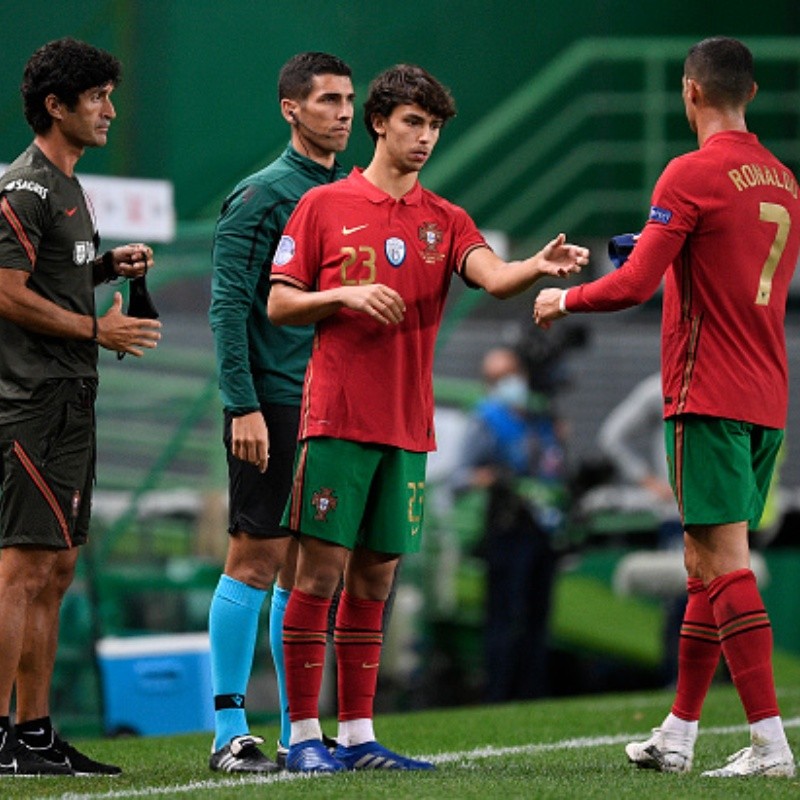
[49,335]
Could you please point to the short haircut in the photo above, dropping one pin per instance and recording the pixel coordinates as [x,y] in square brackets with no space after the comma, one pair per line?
[724,68]
[295,80]
[65,68]
[406,84]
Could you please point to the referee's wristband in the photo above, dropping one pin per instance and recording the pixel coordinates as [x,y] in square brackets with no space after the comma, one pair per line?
[562,302]
[94,328]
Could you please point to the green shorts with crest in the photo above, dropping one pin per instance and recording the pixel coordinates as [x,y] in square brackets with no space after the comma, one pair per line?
[354,493]
[720,469]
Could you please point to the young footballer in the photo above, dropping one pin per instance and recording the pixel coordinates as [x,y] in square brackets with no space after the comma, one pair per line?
[369,261]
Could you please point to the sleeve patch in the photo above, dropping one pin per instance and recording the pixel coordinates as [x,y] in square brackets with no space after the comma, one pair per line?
[660,215]
[285,251]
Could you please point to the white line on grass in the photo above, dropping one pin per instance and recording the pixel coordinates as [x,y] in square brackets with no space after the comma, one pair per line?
[440,758]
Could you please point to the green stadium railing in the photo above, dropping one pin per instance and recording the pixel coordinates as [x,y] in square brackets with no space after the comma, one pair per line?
[549,144]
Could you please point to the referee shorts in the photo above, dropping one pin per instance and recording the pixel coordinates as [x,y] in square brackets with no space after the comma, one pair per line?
[256,499]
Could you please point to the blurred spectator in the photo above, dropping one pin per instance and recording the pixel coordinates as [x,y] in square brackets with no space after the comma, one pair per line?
[632,438]
[514,451]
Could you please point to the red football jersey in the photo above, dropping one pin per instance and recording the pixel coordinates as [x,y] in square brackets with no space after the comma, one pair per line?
[367,381]
[725,227]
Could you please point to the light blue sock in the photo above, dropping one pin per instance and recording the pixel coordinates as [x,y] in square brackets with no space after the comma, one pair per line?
[232,630]
[280,597]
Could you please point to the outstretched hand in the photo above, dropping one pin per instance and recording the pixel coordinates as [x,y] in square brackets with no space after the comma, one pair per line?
[547,307]
[560,259]
[116,331]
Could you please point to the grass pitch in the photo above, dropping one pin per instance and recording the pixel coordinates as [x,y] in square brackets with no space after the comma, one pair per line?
[569,748]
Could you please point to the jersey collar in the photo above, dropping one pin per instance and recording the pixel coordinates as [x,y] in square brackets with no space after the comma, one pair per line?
[375,195]
[742,136]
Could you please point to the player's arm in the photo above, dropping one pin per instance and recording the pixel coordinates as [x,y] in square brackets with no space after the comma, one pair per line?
[115,331]
[289,304]
[632,284]
[501,279]
[677,197]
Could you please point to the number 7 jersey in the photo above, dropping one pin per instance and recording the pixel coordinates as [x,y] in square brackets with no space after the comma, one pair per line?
[725,227]
[367,381]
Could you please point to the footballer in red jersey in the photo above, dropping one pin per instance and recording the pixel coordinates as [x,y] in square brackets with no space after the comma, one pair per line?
[357,234]
[724,227]
[369,261]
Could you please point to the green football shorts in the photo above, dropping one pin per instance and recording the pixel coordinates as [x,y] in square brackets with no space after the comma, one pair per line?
[354,493]
[720,469]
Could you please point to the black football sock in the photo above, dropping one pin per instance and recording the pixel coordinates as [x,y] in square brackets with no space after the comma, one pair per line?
[35,732]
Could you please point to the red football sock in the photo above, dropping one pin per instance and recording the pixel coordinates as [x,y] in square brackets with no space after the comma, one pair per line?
[358,639]
[746,637]
[305,629]
[698,653]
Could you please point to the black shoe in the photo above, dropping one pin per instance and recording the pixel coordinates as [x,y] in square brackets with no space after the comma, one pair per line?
[18,759]
[62,753]
[241,754]
[280,755]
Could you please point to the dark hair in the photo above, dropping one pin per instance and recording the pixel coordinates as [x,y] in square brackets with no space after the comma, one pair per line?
[66,68]
[724,68]
[406,84]
[296,75]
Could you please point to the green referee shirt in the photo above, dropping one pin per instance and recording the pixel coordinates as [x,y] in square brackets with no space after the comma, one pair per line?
[258,362]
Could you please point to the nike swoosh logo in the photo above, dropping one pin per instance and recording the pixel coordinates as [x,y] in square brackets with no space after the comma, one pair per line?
[309,665]
[347,231]
[365,665]
[70,211]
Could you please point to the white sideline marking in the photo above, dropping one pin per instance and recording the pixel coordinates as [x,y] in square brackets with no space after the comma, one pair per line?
[440,758]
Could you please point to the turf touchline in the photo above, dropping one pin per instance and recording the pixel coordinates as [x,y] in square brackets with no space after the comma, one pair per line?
[476,754]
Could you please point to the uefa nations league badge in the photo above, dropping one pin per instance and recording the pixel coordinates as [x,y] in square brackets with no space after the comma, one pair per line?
[395,250]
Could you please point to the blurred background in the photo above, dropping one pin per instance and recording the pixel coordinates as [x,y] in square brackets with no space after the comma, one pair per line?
[567,115]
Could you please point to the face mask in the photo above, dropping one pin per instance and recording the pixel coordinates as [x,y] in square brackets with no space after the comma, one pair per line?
[512,391]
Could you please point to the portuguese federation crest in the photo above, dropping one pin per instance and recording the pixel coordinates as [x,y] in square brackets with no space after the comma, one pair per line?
[431,235]
[325,501]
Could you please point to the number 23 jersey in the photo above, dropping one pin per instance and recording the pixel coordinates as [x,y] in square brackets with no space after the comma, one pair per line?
[367,381]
